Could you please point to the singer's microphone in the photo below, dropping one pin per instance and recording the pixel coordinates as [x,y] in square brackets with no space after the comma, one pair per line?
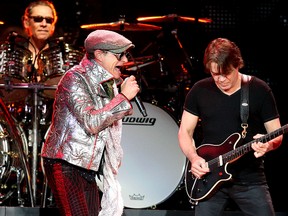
[140,106]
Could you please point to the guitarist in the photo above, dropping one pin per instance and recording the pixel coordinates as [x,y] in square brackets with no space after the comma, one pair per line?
[215,101]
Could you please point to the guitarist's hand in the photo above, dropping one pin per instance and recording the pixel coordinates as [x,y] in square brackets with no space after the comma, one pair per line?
[199,166]
[259,147]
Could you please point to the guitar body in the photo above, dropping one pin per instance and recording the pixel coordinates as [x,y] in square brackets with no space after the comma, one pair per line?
[198,189]
[218,158]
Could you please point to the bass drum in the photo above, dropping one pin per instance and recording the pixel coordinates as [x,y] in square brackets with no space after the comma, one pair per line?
[11,169]
[153,164]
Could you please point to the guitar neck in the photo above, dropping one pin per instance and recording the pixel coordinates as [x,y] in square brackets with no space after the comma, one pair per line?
[243,149]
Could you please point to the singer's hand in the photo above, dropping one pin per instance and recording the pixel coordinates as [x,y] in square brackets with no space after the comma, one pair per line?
[130,87]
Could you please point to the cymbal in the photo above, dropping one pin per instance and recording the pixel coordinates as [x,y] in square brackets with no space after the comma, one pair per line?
[139,61]
[172,18]
[122,26]
[145,58]
[132,63]
[137,66]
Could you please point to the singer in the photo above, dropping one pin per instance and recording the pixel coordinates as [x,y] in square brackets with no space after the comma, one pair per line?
[84,138]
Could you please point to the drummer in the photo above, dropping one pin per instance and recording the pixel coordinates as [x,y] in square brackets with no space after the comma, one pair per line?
[38,26]
[39,22]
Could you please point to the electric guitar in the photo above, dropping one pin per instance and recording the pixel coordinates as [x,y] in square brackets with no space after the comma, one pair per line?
[218,157]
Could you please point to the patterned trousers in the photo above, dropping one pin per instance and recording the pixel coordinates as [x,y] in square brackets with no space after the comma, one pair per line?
[74,194]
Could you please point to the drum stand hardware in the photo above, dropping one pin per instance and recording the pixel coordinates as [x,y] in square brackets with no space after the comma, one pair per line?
[19,198]
[16,137]
[49,196]
[36,87]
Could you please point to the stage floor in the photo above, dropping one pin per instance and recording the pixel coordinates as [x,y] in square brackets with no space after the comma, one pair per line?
[29,211]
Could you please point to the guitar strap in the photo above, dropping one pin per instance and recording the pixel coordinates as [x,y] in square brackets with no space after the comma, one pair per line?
[244,105]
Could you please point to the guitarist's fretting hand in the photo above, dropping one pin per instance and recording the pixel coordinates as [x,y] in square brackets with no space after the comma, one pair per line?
[199,167]
[260,148]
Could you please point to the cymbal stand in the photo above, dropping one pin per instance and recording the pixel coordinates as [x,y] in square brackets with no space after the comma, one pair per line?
[174,32]
[181,94]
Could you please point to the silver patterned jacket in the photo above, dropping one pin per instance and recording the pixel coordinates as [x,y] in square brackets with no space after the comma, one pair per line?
[85,119]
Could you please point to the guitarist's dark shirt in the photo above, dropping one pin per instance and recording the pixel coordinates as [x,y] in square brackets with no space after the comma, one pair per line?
[220,117]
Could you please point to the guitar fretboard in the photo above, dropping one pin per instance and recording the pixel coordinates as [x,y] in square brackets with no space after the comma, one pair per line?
[243,149]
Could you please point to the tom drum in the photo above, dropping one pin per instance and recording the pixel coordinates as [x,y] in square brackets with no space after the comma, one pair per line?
[55,61]
[15,66]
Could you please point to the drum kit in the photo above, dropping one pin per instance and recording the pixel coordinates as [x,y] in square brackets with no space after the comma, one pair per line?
[26,99]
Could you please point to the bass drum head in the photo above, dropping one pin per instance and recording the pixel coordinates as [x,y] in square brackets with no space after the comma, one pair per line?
[153,164]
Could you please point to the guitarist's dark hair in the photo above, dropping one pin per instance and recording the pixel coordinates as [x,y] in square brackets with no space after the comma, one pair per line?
[225,53]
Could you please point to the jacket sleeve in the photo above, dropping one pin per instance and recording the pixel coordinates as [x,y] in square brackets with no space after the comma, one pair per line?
[89,105]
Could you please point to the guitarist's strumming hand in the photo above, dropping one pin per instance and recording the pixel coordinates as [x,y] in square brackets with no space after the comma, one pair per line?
[260,148]
[199,166]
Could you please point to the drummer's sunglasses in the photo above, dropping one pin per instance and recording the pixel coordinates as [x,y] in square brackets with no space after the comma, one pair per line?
[38,19]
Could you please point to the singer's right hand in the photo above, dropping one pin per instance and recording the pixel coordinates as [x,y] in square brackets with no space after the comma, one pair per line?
[130,87]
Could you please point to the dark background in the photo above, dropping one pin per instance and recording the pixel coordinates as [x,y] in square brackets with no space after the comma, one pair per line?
[259,28]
